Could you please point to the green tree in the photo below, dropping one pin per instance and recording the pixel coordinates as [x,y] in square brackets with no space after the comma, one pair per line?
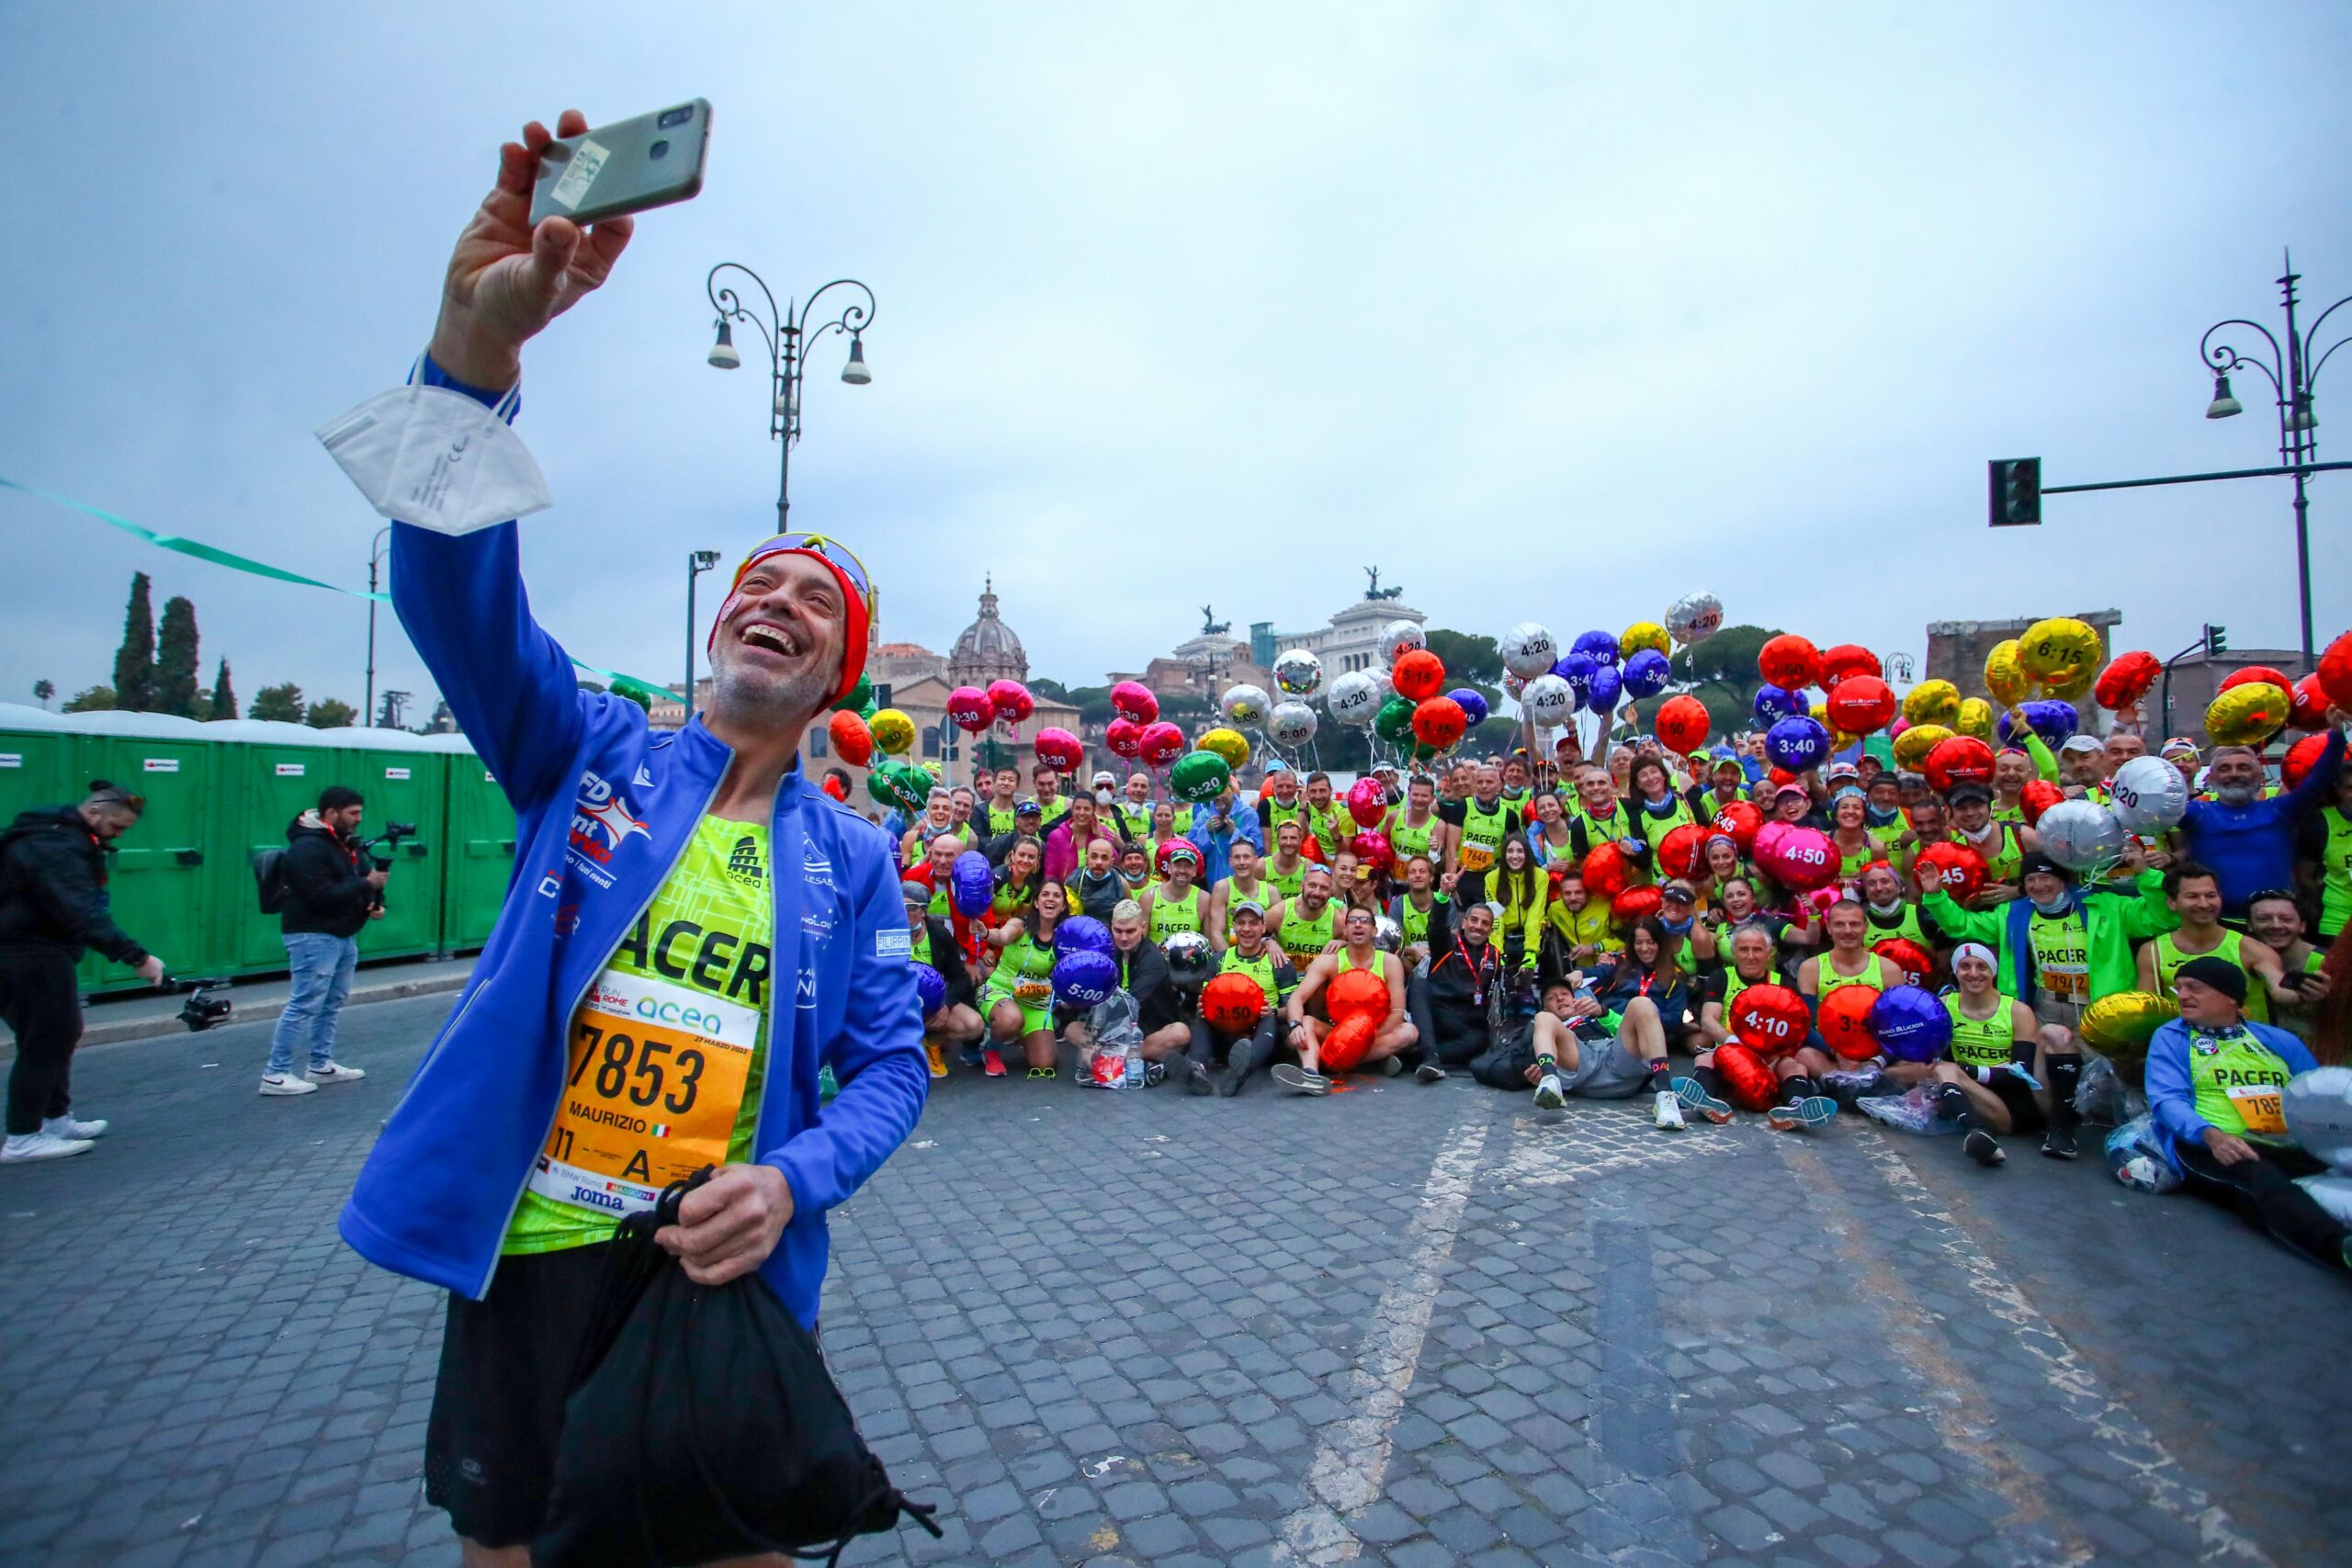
[176,688]
[1720,672]
[282,704]
[91,699]
[134,662]
[331,713]
[1468,659]
[224,696]
[43,691]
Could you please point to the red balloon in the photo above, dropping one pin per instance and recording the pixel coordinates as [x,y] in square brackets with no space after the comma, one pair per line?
[1780,775]
[852,742]
[1367,802]
[1741,819]
[1060,749]
[1842,663]
[1958,868]
[1751,1083]
[1160,744]
[2300,759]
[1359,993]
[2126,680]
[2307,709]
[1906,954]
[969,710]
[1681,724]
[1606,871]
[1438,723]
[1861,704]
[2252,672]
[1372,849]
[1418,674]
[1634,904]
[1957,759]
[1679,853]
[1790,662]
[1349,1039]
[1012,701]
[1798,858]
[1123,738]
[2335,671]
[1232,1003]
[1846,1021]
[1771,1019]
[2038,797]
[1133,700]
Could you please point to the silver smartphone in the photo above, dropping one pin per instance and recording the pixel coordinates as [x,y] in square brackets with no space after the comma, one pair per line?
[626,167]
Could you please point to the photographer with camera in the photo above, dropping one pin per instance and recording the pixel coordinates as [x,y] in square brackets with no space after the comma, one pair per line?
[329,889]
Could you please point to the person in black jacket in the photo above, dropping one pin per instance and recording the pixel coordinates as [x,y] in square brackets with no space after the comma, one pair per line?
[331,892]
[53,907]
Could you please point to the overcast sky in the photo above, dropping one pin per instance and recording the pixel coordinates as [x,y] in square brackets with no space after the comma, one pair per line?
[1552,312]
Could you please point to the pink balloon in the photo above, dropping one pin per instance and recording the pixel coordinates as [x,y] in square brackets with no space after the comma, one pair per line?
[1133,699]
[1060,749]
[1125,739]
[969,709]
[1367,802]
[1800,858]
[1014,702]
[1160,744]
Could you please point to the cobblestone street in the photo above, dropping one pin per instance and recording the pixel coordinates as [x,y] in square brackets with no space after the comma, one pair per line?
[1410,1325]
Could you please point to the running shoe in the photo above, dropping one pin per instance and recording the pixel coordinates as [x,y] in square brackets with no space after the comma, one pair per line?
[1153,1072]
[2059,1143]
[1431,1071]
[1669,1112]
[1693,1093]
[1983,1148]
[1812,1110]
[335,1071]
[1196,1079]
[1229,1082]
[23,1148]
[1551,1094]
[66,1127]
[1391,1065]
[286,1083]
[938,1054]
[971,1055]
[1037,1073]
[992,1062]
[1300,1080]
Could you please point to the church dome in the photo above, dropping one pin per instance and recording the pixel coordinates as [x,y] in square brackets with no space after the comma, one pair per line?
[987,649]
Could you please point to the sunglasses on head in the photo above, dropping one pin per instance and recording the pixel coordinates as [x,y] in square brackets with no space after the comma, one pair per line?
[831,549]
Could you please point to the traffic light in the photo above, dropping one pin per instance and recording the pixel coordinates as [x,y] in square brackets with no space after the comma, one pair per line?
[2017,491]
[2217,641]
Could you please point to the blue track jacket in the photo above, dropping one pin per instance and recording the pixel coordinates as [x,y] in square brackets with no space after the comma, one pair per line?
[604,807]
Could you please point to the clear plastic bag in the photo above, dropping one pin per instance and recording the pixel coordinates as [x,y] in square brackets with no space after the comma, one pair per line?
[1913,1111]
[1114,1057]
[2103,1098]
[2135,1152]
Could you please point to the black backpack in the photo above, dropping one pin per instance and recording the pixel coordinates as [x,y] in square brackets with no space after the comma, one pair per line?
[270,888]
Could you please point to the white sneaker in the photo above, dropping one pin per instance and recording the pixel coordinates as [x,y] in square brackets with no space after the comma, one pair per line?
[335,1071]
[1550,1095]
[1669,1112]
[286,1083]
[66,1127]
[23,1148]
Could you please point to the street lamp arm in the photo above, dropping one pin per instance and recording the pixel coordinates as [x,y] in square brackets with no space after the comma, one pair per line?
[730,306]
[855,318]
[2311,377]
[2223,358]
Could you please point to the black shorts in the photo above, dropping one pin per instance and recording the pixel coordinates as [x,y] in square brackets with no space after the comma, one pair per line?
[506,1364]
[2025,1111]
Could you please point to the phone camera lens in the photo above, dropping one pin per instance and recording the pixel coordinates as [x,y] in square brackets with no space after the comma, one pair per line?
[659,149]
[671,119]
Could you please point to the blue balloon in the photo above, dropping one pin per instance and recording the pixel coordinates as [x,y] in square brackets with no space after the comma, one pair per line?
[1607,687]
[1085,978]
[1082,933]
[1474,706]
[2054,720]
[1577,669]
[1772,704]
[1910,1024]
[971,884]
[1798,742]
[931,987]
[1602,645]
[1646,673]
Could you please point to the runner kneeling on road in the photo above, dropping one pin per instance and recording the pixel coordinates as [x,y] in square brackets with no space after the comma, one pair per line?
[698,871]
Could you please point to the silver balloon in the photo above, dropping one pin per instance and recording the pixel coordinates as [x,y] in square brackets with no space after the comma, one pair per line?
[1548,700]
[1297,674]
[1354,698]
[2080,834]
[1528,649]
[1514,685]
[1386,934]
[1695,617]
[1244,706]
[1401,636]
[2318,1106]
[1189,962]
[1291,726]
[2150,795]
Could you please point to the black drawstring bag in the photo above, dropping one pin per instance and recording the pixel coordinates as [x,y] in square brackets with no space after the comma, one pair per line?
[703,1424]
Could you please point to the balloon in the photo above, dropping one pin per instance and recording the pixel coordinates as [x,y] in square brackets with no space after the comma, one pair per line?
[1910,1024]
[902,785]
[1635,904]
[1291,724]
[1085,979]
[1644,635]
[1372,849]
[1741,819]
[1600,643]
[1356,993]
[1400,639]
[2254,672]
[1844,661]
[971,884]
[2054,721]
[1394,722]
[1060,749]
[2038,797]
[1160,744]
[1297,673]
[1861,704]
[1123,738]
[1528,649]
[1607,684]
[1695,617]
[893,731]
[1772,704]
[969,710]
[852,742]
[1367,802]
[1355,698]
[1798,858]
[1473,706]
[1904,955]
[1133,700]
[2299,760]
[1230,744]
[1440,723]
[2335,671]
[1770,1020]
[2148,796]
[1751,1084]
[1846,1022]
[1014,702]
[1387,935]
[2318,1107]
[1911,747]
[1646,673]
[1232,1003]
[1797,744]
[1244,706]
[2080,834]
[2120,1025]
[1682,724]
[2307,704]
[860,696]
[931,989]
[2126,680]
[1345,1044]
[1975,719]
[1956,868]
[1790,662]
[1418,674]
[1199,777]
[1547,700]
[1932,701]
[2247,716]
[1957,760]
[1189,960]
[1083,934]
[1679,853]
[1606,870]
[2057,651]
[2004,677]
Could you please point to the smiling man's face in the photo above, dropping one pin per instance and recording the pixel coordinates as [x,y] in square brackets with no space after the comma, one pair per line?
[777,653]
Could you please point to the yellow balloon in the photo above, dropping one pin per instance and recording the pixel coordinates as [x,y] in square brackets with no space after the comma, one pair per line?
[1230,744]
[2005,677]
[893,731]
[1975,717]
[1642,635]
[2247,715]
[2120,1027]
[1932,701]
[1911,747]
[2061,652]
[2069,688]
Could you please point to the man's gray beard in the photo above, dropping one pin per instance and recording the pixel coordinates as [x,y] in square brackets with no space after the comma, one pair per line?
[764,703]
[2235,794]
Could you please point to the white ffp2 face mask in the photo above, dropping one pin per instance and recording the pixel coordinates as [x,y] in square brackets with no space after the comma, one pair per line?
[436,459]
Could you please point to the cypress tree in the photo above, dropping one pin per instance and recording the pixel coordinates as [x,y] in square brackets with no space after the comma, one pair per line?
[176,688]
[134,662]
[224,696]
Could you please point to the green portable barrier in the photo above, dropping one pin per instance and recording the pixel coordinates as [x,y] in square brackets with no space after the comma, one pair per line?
[480,860]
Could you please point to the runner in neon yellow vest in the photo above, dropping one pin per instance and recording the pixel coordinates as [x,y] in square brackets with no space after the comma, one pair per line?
[2194,892]
[2326,843]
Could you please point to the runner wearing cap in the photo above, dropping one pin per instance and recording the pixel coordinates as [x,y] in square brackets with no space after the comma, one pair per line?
[1262,962]
[1726,781]
[1028,820]
[2085,761]
[932,941]
[1174,904]
[1309,1033]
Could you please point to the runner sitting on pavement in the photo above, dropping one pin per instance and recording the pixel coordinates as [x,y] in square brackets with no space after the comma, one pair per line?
[1262,962]
[1999,1069]
[1307,1035]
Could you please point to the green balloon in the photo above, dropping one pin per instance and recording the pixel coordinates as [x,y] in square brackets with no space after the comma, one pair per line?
[860,699]
[1394,723]
[1199,777]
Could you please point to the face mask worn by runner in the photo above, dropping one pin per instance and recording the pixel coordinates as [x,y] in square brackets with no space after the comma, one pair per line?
[437,459]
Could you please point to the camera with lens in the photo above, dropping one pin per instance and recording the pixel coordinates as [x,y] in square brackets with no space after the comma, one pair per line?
[206,1004]
[391,838]
[1519,996]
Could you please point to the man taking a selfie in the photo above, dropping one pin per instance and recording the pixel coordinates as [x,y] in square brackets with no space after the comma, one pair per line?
[693,931]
